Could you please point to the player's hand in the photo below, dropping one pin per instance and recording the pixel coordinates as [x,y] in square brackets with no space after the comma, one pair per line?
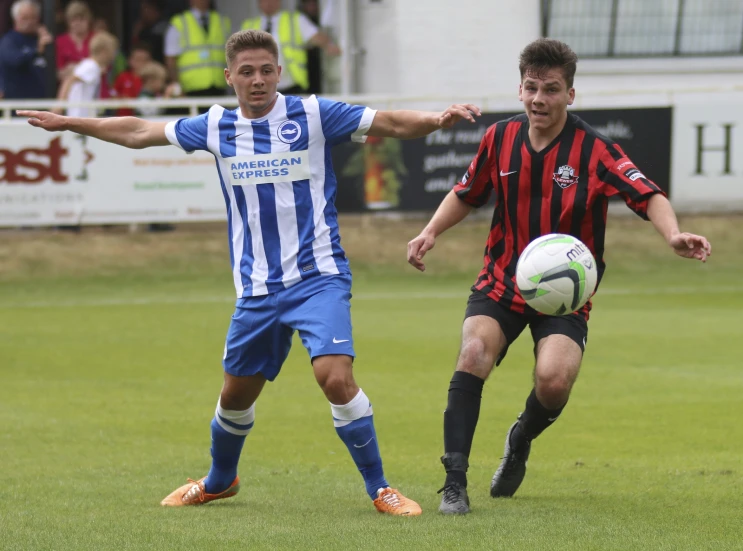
[417,249]
[44,119]
[689,245]
[458,112]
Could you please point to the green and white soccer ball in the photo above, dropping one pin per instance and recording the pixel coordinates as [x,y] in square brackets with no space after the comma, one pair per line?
[556,274]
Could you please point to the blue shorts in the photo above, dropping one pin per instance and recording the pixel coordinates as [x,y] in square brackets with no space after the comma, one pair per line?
[260,334]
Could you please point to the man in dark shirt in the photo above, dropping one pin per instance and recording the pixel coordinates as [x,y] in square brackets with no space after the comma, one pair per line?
[149,30]
[22,61]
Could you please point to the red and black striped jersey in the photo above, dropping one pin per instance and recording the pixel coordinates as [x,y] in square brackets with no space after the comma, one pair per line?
[562,189]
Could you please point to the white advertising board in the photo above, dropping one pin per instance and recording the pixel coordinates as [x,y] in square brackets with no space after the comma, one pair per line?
[63,178]
[707,154]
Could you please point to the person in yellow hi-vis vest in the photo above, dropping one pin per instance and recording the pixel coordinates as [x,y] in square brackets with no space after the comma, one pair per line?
[194,50]
[294,32]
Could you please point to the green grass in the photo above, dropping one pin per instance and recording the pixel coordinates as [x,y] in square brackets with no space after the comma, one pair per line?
[108,382]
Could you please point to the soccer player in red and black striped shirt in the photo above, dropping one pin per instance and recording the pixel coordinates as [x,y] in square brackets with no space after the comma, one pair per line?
[550,173]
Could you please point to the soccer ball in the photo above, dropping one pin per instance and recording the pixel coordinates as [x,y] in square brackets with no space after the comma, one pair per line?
[556,274]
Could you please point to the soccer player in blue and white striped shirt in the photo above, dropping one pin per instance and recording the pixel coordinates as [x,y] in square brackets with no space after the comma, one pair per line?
[290,272]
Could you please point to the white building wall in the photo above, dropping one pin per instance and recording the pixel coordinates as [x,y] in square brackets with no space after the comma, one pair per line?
[470,48]
[443,47]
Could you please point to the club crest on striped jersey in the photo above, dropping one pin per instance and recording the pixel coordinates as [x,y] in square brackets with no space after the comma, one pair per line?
[565,176]
[289,131]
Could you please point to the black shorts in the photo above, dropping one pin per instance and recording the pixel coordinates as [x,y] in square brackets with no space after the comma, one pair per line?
[512,323]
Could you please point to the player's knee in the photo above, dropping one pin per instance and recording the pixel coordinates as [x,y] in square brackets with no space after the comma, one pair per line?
[336,380]
[553,389]
[475,358]
[338,389]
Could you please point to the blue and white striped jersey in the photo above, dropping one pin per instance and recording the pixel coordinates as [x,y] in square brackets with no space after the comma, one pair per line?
[279,186]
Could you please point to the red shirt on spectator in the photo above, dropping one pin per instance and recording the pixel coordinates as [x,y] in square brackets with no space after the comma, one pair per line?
[67,51]
[127,85]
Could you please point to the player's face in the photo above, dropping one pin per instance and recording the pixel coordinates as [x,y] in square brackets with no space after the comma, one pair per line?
[254,74]
[546,99]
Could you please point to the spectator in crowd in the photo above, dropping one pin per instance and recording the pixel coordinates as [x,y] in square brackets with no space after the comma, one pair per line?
[294,32]
[84,83]
[73,46]
[129,84]
[194,50]
[150,28]
[118,66]
[311,8]
[22,61]
[154,77]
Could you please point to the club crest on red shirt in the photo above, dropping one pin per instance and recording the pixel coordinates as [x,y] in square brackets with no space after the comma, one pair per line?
[565,176]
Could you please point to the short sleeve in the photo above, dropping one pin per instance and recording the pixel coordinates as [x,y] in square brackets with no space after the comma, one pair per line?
[342,122]
[620,176]
[307,27]
[476,185]
[88,71]
[172,42]
[189,134]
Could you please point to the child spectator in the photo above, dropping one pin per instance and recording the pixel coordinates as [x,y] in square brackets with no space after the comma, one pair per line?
[128,84]
[118,65]
[84,84]
[154,75]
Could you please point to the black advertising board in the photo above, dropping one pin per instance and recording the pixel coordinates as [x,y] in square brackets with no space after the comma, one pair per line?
[415,175]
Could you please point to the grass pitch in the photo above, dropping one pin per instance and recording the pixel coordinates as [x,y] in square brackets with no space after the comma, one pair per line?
[110,351]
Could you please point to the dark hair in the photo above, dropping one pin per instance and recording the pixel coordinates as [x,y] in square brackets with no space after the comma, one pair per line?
[141,46]
[250,40]
[159,5]
[544,54]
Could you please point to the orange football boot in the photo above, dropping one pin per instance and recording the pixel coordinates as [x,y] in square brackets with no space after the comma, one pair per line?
[392,502]
[194,493]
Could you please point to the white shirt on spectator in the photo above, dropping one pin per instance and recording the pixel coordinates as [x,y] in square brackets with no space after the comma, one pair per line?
[85,89]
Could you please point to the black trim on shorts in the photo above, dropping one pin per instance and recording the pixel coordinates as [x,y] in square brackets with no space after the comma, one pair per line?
[513,323]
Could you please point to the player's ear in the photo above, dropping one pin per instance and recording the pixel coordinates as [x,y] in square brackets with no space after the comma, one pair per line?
[227,77]
[521,89]
[571,96]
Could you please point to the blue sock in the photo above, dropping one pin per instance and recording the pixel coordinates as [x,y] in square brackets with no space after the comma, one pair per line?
[354,423]
[229,429]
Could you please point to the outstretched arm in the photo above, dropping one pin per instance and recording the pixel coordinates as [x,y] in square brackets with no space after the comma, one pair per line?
[451,212]
[130,132]
[661,214]
[416,124]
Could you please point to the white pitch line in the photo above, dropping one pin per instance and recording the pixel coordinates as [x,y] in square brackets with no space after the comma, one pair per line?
[399,295]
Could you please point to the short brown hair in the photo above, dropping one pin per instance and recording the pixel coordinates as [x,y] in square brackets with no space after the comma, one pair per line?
[78,9]
[544,54]
[250,40]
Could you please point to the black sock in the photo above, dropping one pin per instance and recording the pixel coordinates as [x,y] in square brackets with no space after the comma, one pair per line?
[534,419]
[460,420]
